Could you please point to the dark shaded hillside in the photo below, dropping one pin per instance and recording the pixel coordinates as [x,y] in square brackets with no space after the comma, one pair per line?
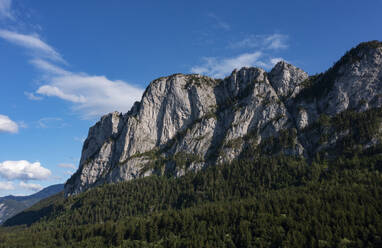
[264,203]
[36,212]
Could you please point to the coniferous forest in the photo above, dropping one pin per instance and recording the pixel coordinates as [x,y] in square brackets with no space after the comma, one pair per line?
[264,198]
[190,124]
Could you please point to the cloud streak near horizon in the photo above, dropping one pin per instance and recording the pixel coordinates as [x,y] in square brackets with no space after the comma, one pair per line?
[23,170]
[31,186]
[6,186]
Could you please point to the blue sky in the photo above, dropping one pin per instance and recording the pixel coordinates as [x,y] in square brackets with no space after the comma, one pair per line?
[65,63]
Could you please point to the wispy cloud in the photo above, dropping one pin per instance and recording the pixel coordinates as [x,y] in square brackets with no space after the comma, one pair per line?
[31,186]
[220,67]
[23,170]
[91,95]
[5,9]
[7,125]
[33,43]
[219,23]
[80,139]
[264,42]
[67,165]
[6,186]
[277,41]
[274,61]
[260,50]
[47,122]
[32,96]
[48,68]
[69,172]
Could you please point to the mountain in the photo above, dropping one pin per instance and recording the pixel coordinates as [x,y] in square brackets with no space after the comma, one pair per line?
[189,122]
[258,159]
[12,205]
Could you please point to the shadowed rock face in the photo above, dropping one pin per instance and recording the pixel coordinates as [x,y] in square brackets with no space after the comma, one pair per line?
[187,122]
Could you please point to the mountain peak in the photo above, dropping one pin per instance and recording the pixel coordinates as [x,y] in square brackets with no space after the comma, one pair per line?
[281,64]
[374,44]
[286,79]
[187,122]
[370,52]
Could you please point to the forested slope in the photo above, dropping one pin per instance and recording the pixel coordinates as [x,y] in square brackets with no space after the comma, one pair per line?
[267,202]
[308,174]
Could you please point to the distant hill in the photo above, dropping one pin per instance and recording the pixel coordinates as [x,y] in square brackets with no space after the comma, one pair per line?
[11,205]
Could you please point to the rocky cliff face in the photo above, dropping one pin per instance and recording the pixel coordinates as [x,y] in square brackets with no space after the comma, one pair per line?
[188,122]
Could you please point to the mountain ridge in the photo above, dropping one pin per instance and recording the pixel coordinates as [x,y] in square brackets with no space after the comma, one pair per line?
[310,177]
[187,122]
[12,205]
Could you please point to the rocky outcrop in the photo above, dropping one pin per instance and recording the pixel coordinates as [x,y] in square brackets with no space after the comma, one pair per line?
[354,82]
[187,122]
[286,80]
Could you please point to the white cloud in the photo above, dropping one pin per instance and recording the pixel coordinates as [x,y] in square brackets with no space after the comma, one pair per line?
[219,68]
[68,172]
[48,67]
[274,61]
[6,186]
[23,170]
[50,90]
[7,125]
[47,122]
[5,9]
[91,95]
[66,165]
[261,46]
[32,96]
[80,139]
[263,42]
[276,41]
[22,124]
[33,43]
[219,23]
[31,186]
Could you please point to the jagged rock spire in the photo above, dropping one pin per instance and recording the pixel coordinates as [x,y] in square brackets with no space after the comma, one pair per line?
[286,79]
